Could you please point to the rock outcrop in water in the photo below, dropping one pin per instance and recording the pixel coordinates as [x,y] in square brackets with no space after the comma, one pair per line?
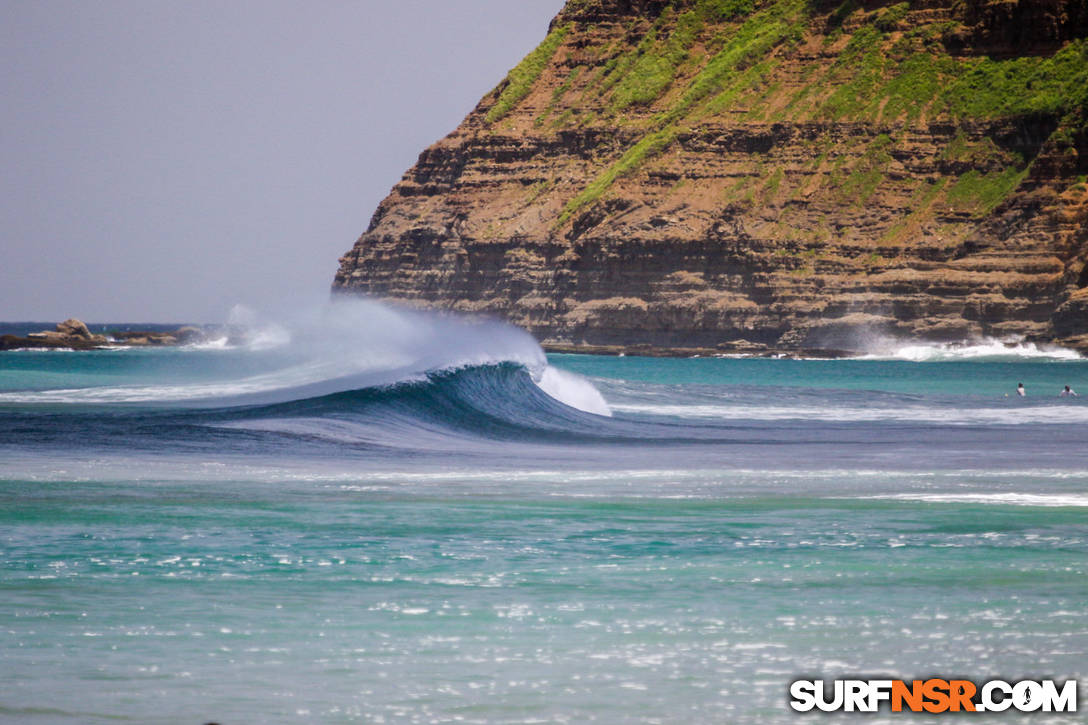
[761,174]
[71,333]
[74,334]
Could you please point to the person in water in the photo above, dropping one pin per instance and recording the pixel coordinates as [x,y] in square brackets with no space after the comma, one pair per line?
[1068,393]
[1020,390]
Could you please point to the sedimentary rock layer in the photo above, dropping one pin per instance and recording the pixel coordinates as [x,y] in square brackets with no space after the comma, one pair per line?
[747,174]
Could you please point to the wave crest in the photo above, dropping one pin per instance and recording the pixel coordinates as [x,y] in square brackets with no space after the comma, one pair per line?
[435,412]
[351,344]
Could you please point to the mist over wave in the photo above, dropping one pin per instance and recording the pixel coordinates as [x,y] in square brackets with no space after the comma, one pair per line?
[357,491]
[375,385]
[348,344]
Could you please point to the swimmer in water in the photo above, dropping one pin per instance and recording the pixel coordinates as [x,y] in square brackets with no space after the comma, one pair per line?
[1068,393]
[1020,390]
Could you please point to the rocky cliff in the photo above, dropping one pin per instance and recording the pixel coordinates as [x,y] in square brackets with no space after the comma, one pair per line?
[761,174]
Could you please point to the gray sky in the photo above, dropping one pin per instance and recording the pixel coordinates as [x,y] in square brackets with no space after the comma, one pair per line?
[163,161]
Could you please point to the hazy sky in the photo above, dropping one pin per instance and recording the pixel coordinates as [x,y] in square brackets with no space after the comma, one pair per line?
[164,161]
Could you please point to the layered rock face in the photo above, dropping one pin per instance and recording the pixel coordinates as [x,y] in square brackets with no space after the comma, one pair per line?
[761,174]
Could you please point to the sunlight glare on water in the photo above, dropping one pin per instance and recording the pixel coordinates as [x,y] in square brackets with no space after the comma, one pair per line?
[391,515]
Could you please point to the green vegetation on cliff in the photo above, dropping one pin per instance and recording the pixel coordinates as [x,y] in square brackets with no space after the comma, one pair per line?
[703,60]
[762,175]
[750,40]
[521,79]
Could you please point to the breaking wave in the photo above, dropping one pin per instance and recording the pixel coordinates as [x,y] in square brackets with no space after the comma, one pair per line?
[438,411]
[352,346]
[986,349]
[1005,499]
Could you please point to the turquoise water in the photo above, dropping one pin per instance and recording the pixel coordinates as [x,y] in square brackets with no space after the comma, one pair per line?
[284,532]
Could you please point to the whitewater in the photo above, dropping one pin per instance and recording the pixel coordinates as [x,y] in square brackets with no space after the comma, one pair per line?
[364,513]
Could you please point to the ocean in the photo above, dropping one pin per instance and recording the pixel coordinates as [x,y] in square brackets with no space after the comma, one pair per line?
[367,514]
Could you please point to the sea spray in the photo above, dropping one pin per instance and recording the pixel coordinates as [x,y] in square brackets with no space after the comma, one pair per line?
[460,544]
[574,390]
[347,344]
[888,348]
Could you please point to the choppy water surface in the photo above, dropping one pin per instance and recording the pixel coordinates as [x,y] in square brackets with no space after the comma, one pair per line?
[421,520]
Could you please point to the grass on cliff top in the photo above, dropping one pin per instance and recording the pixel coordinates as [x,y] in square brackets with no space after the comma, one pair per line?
[896,80]
[728,53]
[883,74]
[652,67]
[742,48]
[728,34]
[520,80]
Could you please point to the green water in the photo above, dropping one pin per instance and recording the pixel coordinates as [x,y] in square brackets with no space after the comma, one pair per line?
[467,549]
[255,604]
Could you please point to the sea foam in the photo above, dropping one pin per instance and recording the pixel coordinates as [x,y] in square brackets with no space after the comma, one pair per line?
[349,344]
[984,349]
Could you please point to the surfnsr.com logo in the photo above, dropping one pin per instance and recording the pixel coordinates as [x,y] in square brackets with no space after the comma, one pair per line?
[933,695]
